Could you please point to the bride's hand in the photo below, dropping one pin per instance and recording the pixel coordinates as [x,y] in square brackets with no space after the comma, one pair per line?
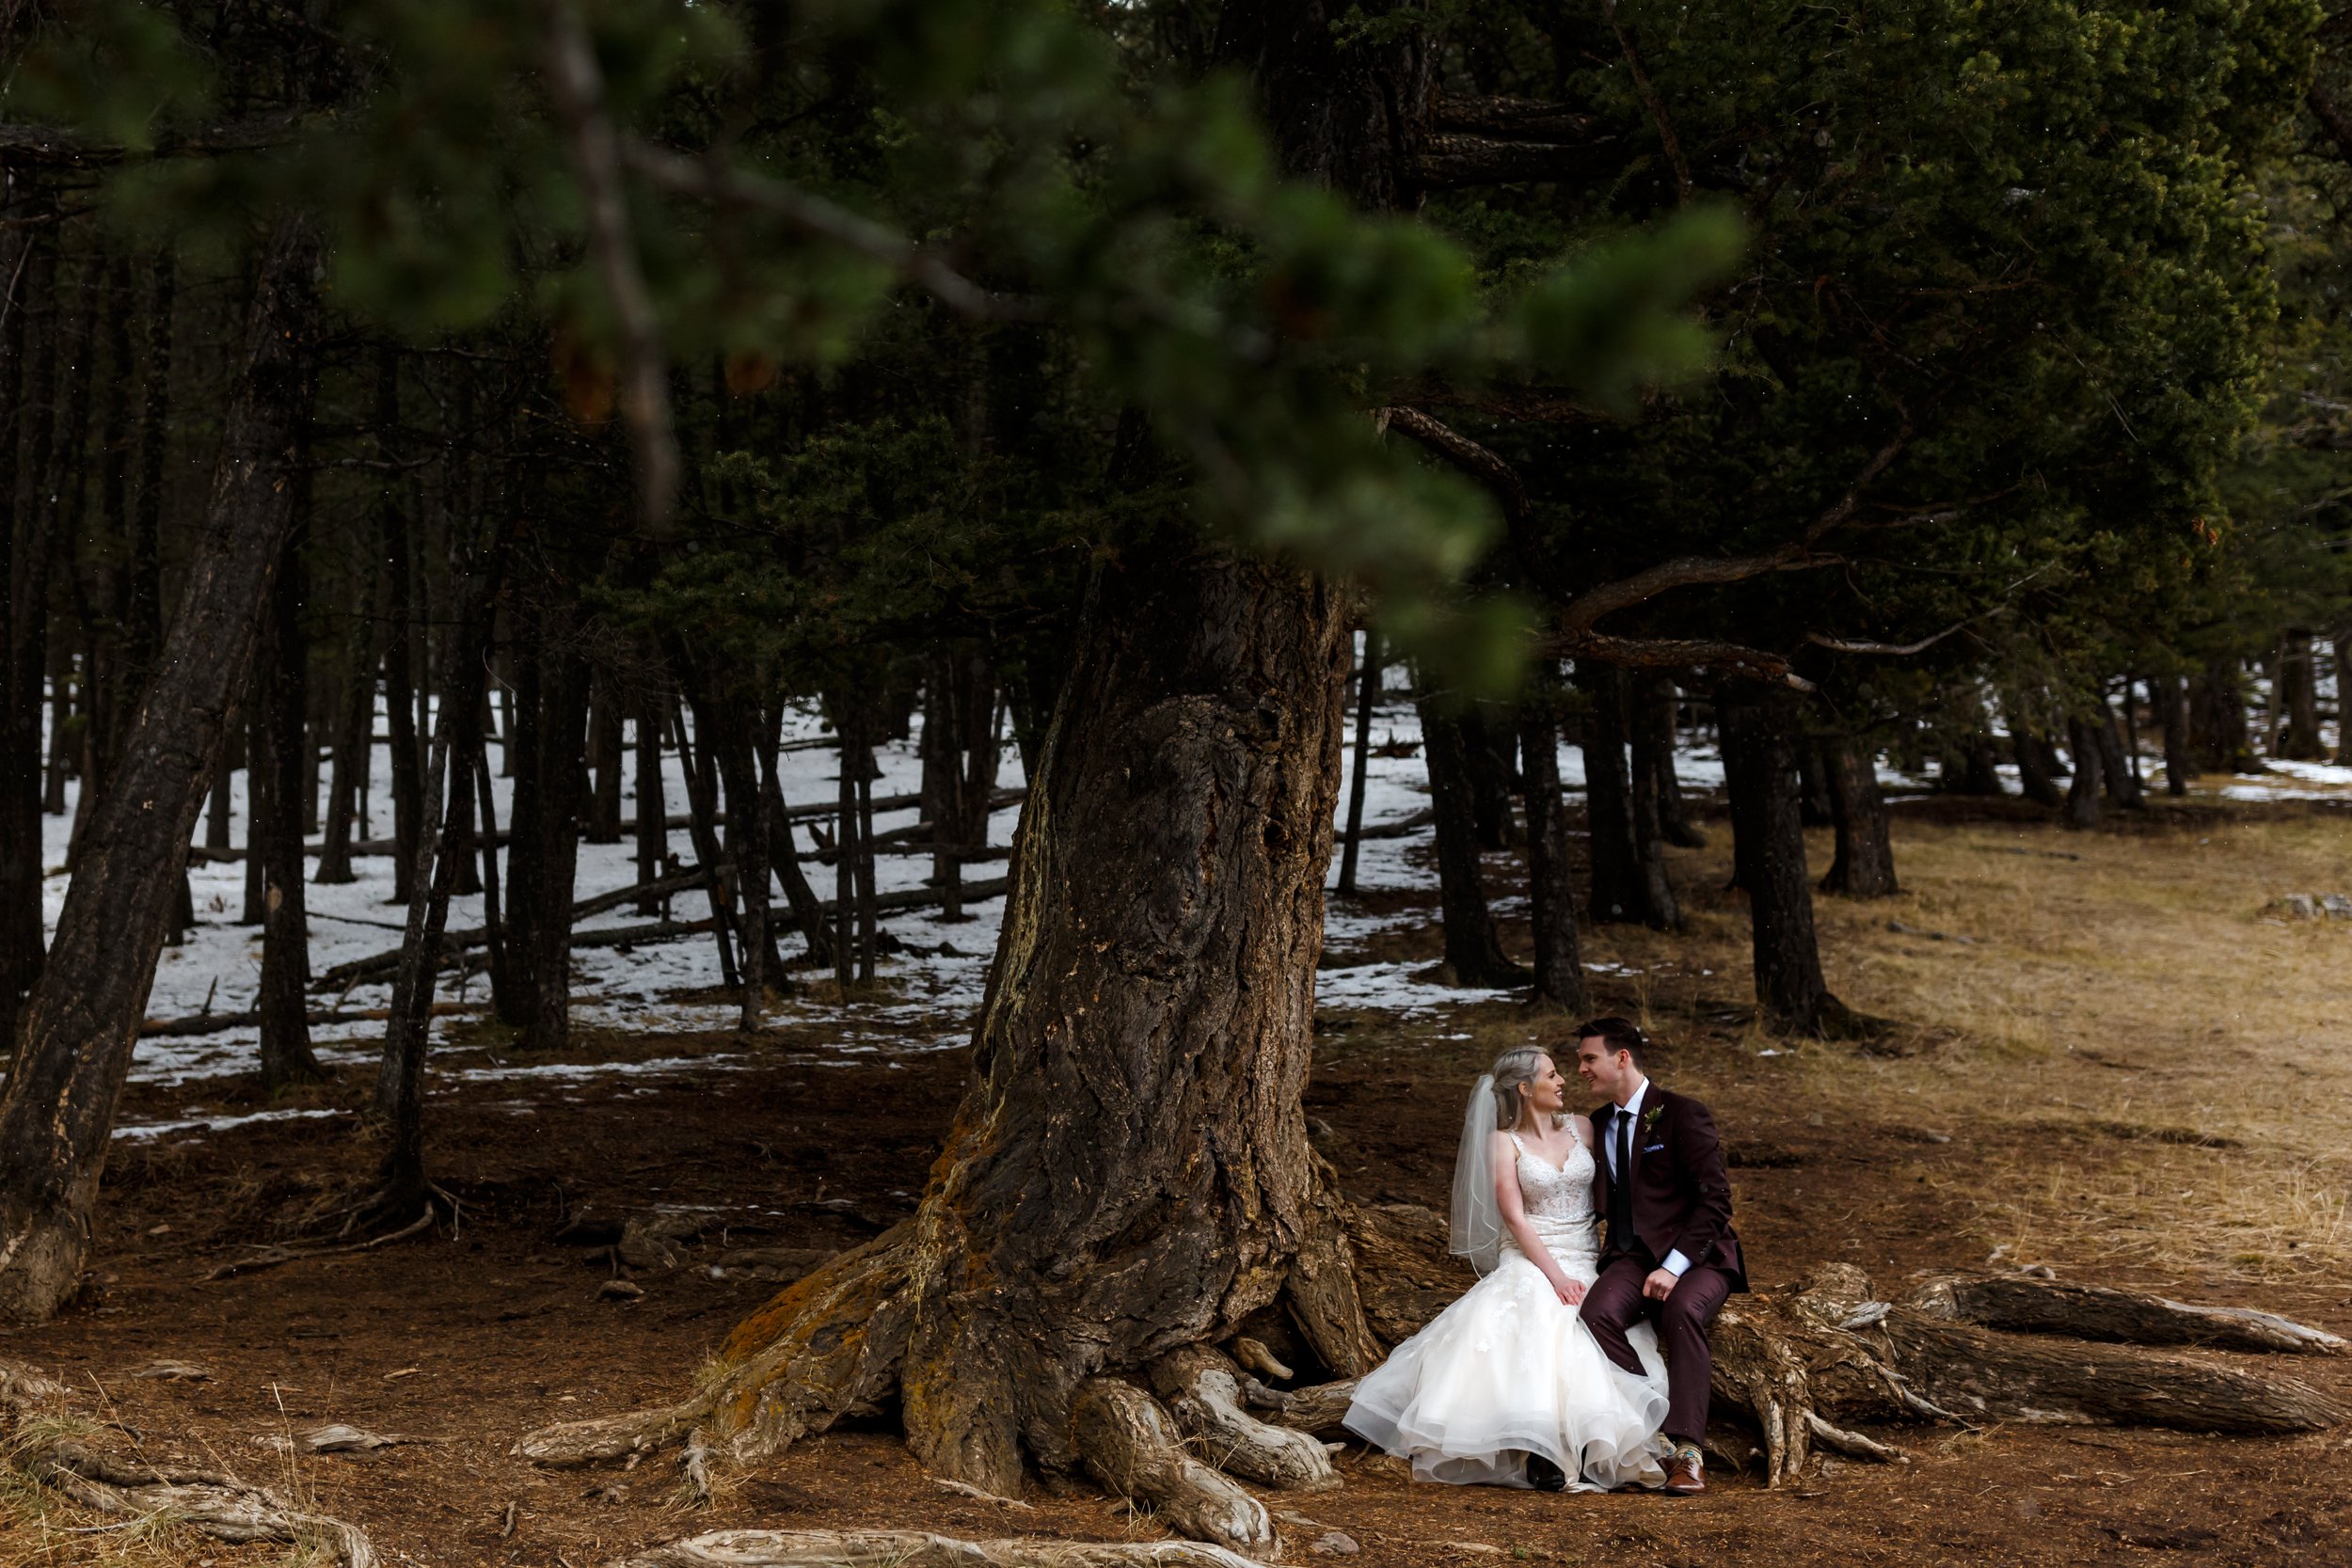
[1571,1292]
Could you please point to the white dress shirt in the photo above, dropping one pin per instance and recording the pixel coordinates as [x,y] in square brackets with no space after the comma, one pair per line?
[1675,1263]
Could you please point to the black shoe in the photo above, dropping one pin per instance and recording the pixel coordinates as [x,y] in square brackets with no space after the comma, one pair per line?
[1544,1476]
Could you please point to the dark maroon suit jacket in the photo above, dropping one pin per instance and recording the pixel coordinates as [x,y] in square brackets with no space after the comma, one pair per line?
[1681,1196]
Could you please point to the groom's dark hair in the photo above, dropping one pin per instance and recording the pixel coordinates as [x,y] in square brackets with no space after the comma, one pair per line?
[1618,1034]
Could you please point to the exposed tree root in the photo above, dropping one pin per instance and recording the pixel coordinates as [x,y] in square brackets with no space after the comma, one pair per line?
[1203,1391]
[44,1442]
[271,1257]
[765,1548]
[1133,1448]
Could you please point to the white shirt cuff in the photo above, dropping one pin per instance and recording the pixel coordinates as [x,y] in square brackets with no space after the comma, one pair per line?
[1676,1264]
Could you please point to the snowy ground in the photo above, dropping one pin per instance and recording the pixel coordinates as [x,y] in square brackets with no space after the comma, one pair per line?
[935,988]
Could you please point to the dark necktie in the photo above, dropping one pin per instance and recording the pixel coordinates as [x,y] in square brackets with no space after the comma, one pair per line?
[1621,1189]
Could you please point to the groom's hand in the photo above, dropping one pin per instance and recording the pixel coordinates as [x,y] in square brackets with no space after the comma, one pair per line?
[1659,1286]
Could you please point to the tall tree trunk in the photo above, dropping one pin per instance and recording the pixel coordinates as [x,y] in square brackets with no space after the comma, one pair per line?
[1367,694]
[66,497]
[2082,793]
[403,1190]
[808,911]
[1864,867]
[2297,699]
[2344,699]
[1768,840]
[24,579]
[1650,713]
[543,836]
[2217,720]
[2180,766]
[1488,747]
[605,756]
[846,724]
[2116,774]
[2037,775]
[733,728]
[1550,887]
[868,929]
[274,838]
[1472,948]
[1650,843]
[702,807]
[400,696]
[75,1037]
[254,909]
[652,830]
[1813,804]
[355,746]
[1628,882]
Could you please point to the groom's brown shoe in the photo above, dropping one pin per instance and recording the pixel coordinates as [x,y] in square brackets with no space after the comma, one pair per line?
[1685,1474]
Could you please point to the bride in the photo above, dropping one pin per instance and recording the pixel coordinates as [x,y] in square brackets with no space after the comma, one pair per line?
[1507,1386]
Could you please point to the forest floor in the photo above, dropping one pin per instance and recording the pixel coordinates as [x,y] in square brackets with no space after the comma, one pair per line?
[2098,1054]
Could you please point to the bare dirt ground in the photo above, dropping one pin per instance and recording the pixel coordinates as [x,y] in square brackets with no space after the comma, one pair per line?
[2098,1056]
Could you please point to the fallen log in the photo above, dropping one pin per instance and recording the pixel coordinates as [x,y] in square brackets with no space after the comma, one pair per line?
[379,846]
[455,943]
[2023,1304]
[214,1024]
[907,1548]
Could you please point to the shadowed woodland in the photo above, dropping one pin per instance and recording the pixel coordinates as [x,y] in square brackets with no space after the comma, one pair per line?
[766,771]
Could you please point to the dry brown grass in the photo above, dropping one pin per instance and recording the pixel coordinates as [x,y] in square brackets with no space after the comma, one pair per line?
[2149,1074]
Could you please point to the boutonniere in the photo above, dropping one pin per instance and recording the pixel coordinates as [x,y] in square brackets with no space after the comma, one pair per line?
[1649,1118]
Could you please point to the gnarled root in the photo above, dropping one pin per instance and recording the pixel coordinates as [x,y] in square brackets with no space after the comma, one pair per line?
[1315,1410]
[1131,1447]
[824,1348]
[1203,1391]
[212,1501]
[1804,1367]
[907,1548]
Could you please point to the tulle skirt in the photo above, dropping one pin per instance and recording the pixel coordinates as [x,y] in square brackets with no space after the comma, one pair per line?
[1508,1370]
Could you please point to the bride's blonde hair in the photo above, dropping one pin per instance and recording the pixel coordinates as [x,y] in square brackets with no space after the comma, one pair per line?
[1515,1067]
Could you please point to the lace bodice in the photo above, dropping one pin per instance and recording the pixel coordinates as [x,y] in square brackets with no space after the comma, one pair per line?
[1559,1201]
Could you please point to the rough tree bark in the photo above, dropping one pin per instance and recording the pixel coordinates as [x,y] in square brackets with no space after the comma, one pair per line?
[1129,1173]
[25,554]
[1368,693]
[543,835]
[1650,707]
[2116,774]
[75,1038]
[1550,885]
[2180,763]
[1627,870]
[281,693]
[1472,950]
[1768,843]
[2217,720]
[400,695]
[1864,867]
[2082,792]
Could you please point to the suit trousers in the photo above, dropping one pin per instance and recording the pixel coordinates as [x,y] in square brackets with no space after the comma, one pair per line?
[1615,1304]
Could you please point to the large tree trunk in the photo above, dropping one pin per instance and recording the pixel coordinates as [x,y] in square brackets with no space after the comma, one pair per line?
[1768,843]
[1129,1173]
[1864,867]
[1550,886]
[2037,772]
[400,696]
[73,1041]
[24,556]
[1472,948]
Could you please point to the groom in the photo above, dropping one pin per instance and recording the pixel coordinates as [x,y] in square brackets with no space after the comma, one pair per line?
[1670,1253]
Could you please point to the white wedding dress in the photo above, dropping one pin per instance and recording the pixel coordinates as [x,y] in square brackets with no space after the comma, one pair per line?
[1510,1369]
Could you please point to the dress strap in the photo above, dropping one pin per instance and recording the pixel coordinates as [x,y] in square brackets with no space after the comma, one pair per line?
[1514,1142]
